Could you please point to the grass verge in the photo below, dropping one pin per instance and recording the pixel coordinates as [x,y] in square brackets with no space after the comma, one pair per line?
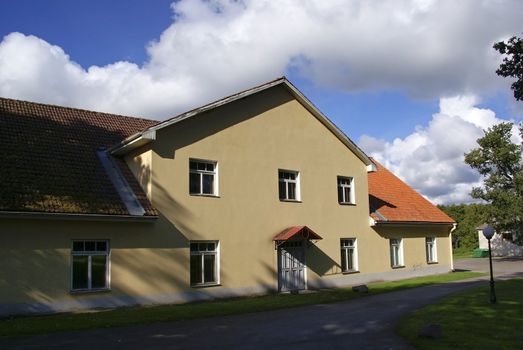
[463,253]
[32,325]
[469,321]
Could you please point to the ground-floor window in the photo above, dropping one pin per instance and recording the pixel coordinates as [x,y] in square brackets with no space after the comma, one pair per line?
[349,260]
[90,265]
[204,263]
[430,245]
[396,252]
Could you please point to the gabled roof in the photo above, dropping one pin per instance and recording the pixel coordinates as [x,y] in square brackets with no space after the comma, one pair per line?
[148,135]
[392,201]
[50,162]
[297,232]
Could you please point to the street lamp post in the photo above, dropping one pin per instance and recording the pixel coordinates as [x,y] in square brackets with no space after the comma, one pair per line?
[488,232]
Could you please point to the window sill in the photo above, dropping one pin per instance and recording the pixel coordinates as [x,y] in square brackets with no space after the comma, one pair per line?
[204,195]
[206,285]
[90,291]
[432,262]
[347,203]
[350,272]
[398,267]
[290,200]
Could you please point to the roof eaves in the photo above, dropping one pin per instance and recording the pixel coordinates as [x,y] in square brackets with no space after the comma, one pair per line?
[71,216]
[412,223]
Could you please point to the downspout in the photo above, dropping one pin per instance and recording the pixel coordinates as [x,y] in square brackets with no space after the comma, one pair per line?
[454,226]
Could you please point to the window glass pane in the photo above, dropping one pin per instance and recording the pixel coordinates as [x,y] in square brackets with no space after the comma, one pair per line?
[340,194]
[80,266]
[194,247]
[192,165]
[90,246]
[208,184]
[350,253]
[292,176]
[346,193]
[281,175]
[201,166]
[281,188]
[98,271]
[292,190]
[194,183]
[344,260]
[196,269]
[209,268]
[78,246]
[202,247]
[210,167]
[101,246]
[210,246]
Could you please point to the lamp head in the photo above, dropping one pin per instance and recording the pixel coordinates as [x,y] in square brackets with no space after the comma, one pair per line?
[488,232]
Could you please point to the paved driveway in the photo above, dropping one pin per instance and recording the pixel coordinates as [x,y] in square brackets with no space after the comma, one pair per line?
[365,323]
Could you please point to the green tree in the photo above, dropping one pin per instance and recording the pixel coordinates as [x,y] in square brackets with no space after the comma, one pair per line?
[512,65]
[467,217]
[499,161]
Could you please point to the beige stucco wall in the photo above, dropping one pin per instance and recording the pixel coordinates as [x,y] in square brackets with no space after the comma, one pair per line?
[250,139]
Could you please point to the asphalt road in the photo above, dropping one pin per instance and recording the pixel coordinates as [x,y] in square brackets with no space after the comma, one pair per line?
[364,323]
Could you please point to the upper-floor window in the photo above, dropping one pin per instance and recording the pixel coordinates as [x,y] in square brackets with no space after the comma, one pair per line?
[349,259]
[396,252]
[203,177]
[430,247]
[346,190]
[289,185]
[90,265]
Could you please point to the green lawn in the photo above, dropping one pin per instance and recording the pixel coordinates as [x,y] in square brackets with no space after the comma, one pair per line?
[463,253]
[469,321]
[142,315]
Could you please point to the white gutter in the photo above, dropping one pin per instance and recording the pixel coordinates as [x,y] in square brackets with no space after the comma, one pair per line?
[450,243]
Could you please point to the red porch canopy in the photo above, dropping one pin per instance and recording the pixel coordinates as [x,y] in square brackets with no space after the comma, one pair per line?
[296,232]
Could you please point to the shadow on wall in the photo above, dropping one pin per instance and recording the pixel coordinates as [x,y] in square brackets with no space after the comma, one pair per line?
[191,130]
[321,263]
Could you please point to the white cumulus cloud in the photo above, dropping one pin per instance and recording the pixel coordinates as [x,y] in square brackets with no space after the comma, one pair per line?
[431,159]
[213,48]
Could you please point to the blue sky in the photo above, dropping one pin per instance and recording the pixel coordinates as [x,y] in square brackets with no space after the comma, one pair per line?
[392,76]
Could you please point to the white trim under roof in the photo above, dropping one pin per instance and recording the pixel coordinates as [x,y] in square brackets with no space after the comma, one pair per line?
[149,135]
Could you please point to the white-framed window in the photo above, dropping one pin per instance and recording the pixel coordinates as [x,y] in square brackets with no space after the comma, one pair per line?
[349,255]
[289,185]
[205,263]
[90,265]
[430,248]
[396,252]
[346,190]
[203,177]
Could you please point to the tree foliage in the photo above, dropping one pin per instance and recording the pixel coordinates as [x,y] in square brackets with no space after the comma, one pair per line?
[499,160]
[467,217]
[512,65]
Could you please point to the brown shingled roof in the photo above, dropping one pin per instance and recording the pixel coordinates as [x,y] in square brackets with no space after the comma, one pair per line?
[392,200]
[49,160]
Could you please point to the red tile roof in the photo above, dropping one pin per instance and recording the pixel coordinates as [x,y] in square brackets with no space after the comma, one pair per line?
[392,200]
[296,231]
[49,160]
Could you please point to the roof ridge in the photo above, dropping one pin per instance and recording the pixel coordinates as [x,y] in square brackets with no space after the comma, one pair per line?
[26,102]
